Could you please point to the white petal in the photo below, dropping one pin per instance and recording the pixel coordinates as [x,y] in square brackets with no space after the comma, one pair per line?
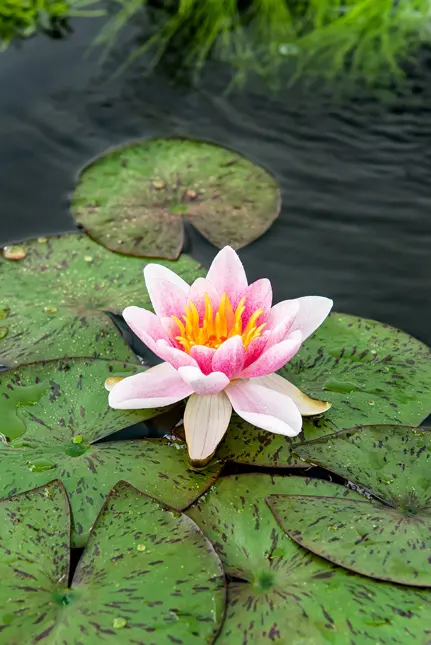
[306,405]
[206,420]
[265,408]
[168,292]
[203,383]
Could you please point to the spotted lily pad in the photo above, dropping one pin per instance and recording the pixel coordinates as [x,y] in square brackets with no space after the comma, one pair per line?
[147,573]
[54,413]
[370,372]
[279,593]
[54,301]
[133,199]
[388,539]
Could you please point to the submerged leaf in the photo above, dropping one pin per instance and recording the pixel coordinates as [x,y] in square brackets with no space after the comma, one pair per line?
[146,570]
[370,372]
[133,199]
[54,412]
[55,300]
[284,594]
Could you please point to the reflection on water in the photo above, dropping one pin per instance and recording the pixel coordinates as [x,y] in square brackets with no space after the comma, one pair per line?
[356,222]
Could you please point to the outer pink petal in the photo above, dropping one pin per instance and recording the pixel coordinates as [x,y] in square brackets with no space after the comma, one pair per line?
[281,331]
[204,384]
[159,386]
[206,420]
[285,310]
[265,408]
[197,292]
[204,357]
[312,312]
[255,349]
[258,296]
[176,357]
[227,274]
[168,292]
[274,358]
[229,357]
[146,326]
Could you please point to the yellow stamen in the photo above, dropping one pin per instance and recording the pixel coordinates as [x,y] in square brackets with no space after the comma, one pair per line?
[216,327]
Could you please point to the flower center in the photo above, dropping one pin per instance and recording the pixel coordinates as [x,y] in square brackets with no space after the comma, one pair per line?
[216,327]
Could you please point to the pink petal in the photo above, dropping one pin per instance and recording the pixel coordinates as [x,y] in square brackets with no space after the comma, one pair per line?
[227,274]
[312,312]
[285,310]
[146,326]
[265,408]
[197,292]
[255,349]
[204,357]
[170,328]
[206,419]
[258,295]
[306,405]
[176,357]
[159,386]
[204,384]
[229,357]
[281,331]
[274,358]
[168,292]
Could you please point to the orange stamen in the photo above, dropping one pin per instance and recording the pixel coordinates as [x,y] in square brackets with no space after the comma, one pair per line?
[216,327]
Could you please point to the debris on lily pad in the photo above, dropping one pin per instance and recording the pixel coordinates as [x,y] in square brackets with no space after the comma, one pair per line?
[370,372]
[280,593]
[53,415]
[174,591]
[55,303]
[133,199]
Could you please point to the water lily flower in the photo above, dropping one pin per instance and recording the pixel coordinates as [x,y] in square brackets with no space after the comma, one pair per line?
[222,343]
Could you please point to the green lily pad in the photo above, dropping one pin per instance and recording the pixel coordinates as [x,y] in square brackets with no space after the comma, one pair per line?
[279,593]
[147,575]
[370,372]
[54,412]
[389,540]
[54,301]
[134,198]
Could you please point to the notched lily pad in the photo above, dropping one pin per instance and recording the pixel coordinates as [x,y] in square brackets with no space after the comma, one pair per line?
[370,372]
[280,593]
[389,540]
[134,198]
[54,301]
[147,571]
[54,413]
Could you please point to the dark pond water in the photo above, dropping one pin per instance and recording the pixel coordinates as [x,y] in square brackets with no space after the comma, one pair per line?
[355,174]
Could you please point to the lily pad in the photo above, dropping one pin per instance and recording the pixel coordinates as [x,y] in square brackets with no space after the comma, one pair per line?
[279,593]
[55,412]
[54,301]
[370,372]
[133,199]
[388,540]
[147,573]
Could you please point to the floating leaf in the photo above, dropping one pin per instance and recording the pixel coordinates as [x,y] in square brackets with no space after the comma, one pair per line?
[56,299]
[54,412]
[171,591]
[133,199]
[389,540]
[370,372]
[284,594]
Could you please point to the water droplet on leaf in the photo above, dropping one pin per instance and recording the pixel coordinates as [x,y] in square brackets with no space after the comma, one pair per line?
[88,258]
[159,185]
[4,313]
[77,439]
[50,310]
[42,240]
[39,465]
[3,332]
[119,623]
[141,547]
